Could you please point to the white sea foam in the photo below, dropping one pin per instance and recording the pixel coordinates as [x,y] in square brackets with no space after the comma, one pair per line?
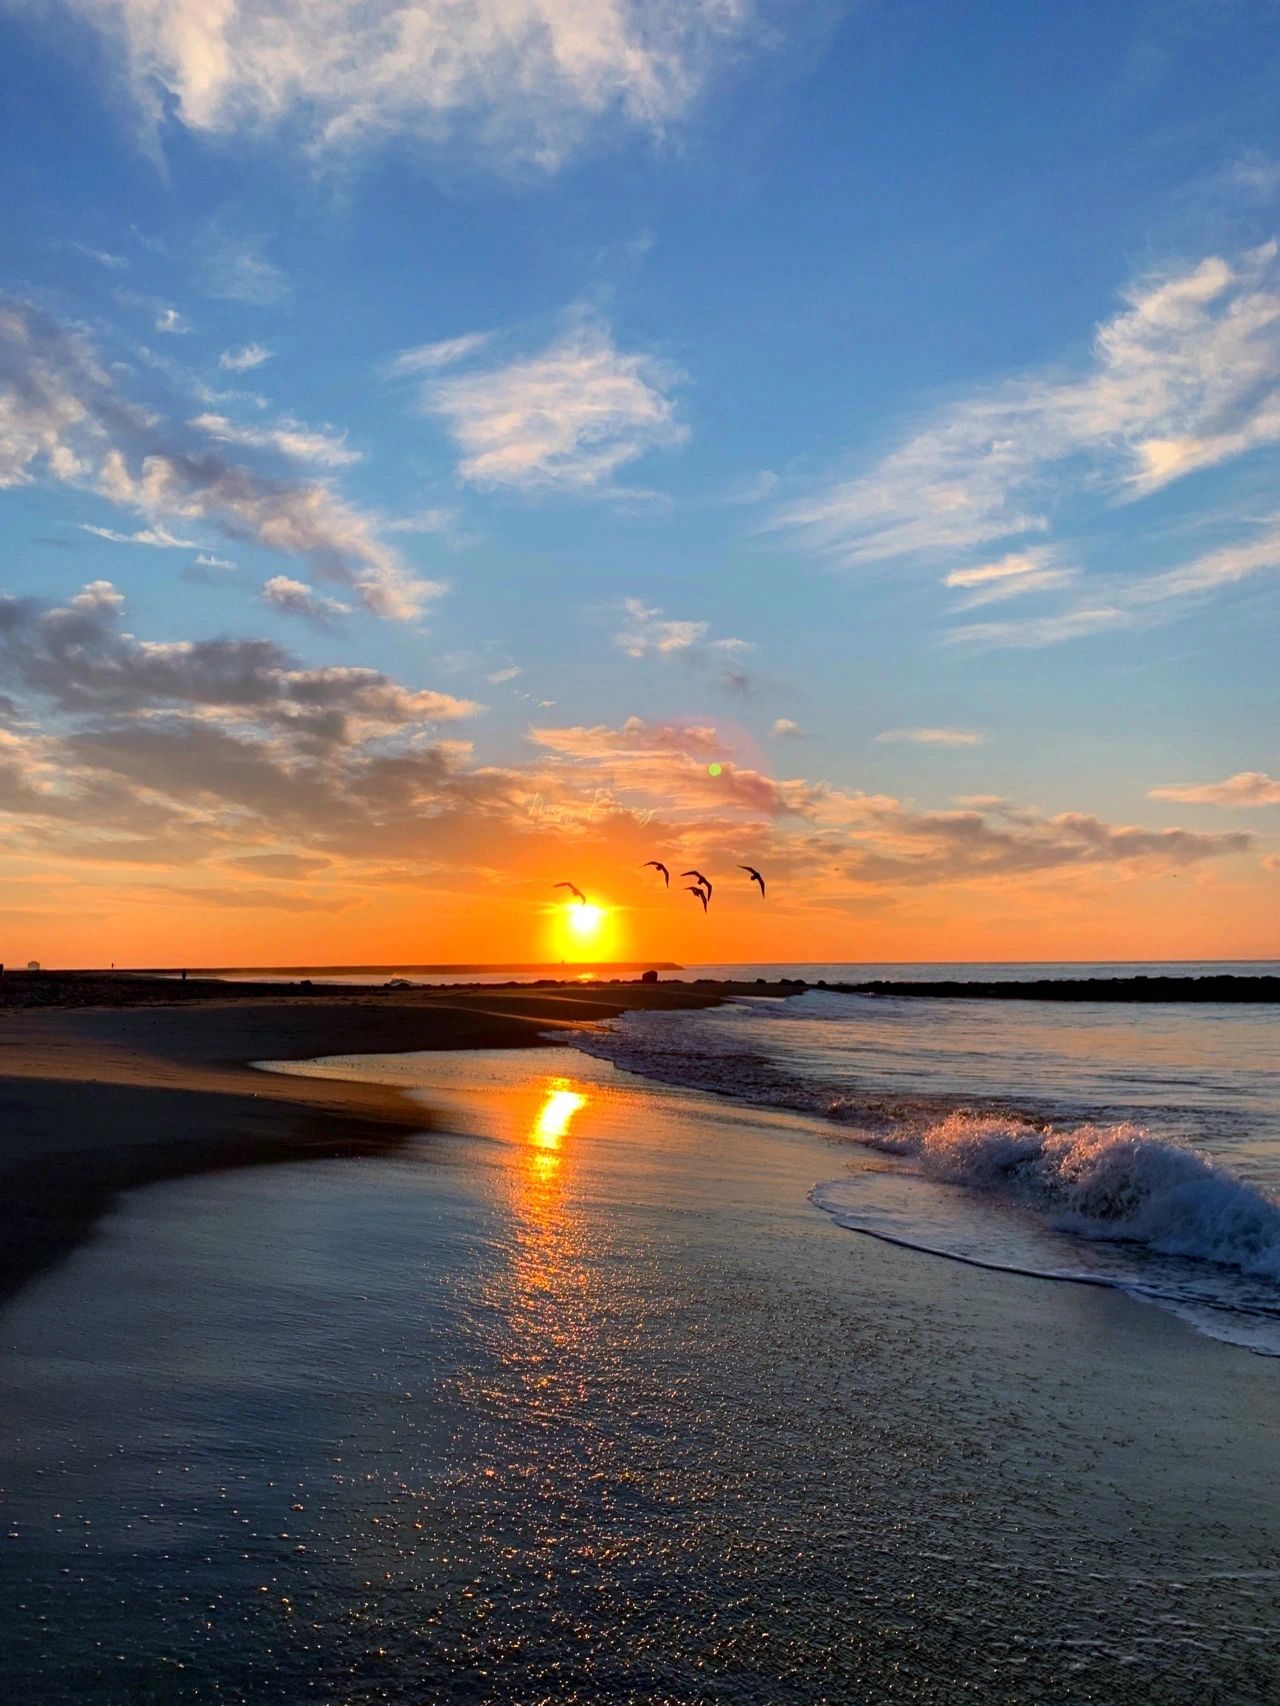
[1116,1182]
[1022,1184]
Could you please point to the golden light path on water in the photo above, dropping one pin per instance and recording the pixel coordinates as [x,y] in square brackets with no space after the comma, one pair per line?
[551,1125]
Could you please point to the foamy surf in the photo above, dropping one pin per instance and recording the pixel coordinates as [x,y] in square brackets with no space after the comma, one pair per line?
[1016,1188]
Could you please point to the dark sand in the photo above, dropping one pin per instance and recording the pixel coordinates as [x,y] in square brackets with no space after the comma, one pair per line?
[109,1083]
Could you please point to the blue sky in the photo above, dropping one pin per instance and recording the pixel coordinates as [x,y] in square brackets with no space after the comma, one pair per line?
[891,390]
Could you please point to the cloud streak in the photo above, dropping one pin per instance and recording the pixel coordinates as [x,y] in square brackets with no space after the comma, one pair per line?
[933,737]
[520,80]
[1247,788]
[1184,377]
[63,418]
[566,420]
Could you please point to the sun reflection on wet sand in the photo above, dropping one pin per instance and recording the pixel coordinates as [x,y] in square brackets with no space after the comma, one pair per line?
[551,1126]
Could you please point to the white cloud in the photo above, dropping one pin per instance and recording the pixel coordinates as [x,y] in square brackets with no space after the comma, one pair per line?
[1248,788]
[523,79]
[430,358]
[441,519]
[1185,376]
[169,320]
[288,437]
[934,737]
[785,729]
[295,598]
[157,536]
[113,263]
[63,417]
[1011,576]
[500,676]
[1139,602]
[233,267]
[242,359]
[648,633]
[567,419]
[1043,630]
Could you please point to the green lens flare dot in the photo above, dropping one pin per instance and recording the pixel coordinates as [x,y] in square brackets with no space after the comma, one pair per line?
[714,769]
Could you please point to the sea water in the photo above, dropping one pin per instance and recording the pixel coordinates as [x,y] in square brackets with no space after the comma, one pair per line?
[1134,1146]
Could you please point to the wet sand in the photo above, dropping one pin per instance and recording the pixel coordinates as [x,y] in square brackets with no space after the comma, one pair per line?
[578,1399]
[107,1084]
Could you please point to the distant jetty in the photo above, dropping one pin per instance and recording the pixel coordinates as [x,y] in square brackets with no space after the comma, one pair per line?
[1216,986]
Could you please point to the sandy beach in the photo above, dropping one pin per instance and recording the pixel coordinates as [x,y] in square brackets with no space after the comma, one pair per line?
[562,1390]
[107,1084]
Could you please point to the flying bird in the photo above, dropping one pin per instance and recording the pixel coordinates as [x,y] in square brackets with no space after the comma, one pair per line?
[573,889]
[754,875]
[705,881]
[692,888]
[658,866]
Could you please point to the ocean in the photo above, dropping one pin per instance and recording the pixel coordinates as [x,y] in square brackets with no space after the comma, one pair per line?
[1129,1146]
[617,1385]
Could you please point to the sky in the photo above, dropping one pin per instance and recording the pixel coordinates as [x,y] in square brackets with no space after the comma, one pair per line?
[452,447]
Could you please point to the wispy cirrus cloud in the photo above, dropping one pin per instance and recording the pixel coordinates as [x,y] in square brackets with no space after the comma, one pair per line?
[520,80]
[647,632]
[1247,788]
[243,359]
[1135,602]
[104,258]
[1034,631]
[157,537]
[1036,569]
[564,420]
[288,437]
[1185,376]
[65,418]
[430,358]
[934,737]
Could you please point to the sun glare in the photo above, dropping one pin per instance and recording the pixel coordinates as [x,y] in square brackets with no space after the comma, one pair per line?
[585,921]
[583,931]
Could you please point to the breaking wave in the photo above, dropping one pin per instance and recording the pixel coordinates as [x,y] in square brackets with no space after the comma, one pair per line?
[1113,1182]
[1017,1188]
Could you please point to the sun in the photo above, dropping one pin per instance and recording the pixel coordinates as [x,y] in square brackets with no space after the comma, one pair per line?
[586,921]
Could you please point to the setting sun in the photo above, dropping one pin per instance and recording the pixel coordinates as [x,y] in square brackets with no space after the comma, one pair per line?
[585,921]
[584,931]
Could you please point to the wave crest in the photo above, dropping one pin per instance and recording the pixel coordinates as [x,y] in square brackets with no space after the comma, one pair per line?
[1114,1182]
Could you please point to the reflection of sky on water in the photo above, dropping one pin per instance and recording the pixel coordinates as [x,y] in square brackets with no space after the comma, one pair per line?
[592,1407]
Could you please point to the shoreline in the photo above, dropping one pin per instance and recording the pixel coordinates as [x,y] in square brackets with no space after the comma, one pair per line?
[97,1099]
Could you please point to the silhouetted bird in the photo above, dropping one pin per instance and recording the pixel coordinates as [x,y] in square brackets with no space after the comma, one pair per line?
[691,888]
[754,875]
[705,881]
[582,899]
[658,866]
